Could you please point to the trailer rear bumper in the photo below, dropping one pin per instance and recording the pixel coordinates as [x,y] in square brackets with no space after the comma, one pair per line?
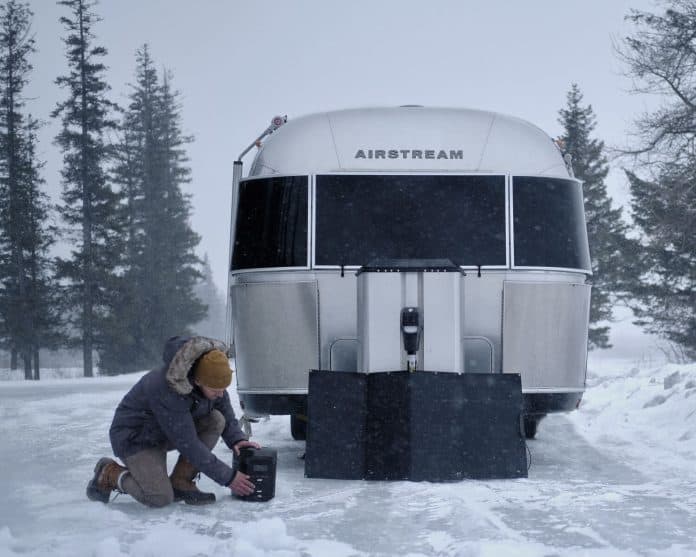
[273,404]
[545,403]
[285,404]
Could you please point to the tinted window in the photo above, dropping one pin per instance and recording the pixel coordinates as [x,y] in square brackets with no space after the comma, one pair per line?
[271,226]
[549,223]
[360,218]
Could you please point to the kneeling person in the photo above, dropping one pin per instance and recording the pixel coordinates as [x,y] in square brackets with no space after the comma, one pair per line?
[183,405]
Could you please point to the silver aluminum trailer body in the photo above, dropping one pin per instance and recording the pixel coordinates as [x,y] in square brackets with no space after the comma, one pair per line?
[329,192]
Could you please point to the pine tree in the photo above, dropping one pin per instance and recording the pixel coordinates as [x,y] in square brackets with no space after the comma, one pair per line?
[162,267]
[609,247]
[42,304]
[16,46]
[665,212]
[661,57]
[26,290]
[178,241]
[123,347]
[89,204]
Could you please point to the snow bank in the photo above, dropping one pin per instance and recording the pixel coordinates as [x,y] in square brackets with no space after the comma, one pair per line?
[648,413]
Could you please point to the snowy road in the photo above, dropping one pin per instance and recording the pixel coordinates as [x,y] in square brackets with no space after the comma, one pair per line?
[581,498]
[575,497]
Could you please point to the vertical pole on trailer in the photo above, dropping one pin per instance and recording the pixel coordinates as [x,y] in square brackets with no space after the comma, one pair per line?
[236,177]
[276,122]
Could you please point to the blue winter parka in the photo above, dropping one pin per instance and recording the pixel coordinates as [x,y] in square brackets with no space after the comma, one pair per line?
[160,410]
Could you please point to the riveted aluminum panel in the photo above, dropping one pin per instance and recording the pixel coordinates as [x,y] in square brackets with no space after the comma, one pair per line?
[380,299]
[337,315]
[277,340]
[545,334]
[442,322]
[482,300]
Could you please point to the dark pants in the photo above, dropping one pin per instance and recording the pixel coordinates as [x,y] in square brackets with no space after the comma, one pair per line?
[147,480]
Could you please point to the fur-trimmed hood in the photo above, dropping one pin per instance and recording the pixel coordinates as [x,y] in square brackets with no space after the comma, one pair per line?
[180,353]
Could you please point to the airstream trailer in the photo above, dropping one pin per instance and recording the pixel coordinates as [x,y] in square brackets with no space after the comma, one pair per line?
[328,194]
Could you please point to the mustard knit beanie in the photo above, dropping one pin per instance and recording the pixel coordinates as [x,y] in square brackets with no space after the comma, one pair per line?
[213,370]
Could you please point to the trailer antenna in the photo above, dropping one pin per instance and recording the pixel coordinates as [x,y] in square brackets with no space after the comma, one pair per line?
[276,122]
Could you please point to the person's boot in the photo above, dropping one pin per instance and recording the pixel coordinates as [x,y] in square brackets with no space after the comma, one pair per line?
[185,488]
[105,480]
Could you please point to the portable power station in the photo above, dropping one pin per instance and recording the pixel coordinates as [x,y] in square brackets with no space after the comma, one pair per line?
[260,466]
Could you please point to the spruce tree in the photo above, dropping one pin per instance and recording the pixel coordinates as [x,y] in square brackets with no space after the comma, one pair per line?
[661,56]
[123,348]
[16,46]
[26,291]
[42,303]
[178,241]
[90,205]
[610,249]
[162,268]
[665,212]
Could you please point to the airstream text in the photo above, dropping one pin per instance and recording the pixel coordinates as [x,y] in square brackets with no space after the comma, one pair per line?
[409,154]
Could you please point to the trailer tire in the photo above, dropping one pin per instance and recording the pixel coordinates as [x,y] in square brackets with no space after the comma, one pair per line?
[531,423]
[298,427]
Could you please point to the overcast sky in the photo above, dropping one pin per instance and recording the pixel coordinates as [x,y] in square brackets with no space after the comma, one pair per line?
[238,63]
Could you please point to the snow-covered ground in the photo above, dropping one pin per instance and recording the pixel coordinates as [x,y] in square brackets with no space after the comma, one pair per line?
[616,478]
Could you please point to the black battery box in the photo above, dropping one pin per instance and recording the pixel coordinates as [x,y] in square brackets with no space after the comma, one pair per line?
[260,466]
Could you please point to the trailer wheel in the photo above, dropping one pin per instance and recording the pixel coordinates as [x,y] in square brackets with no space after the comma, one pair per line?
[298,427]
[531,422]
